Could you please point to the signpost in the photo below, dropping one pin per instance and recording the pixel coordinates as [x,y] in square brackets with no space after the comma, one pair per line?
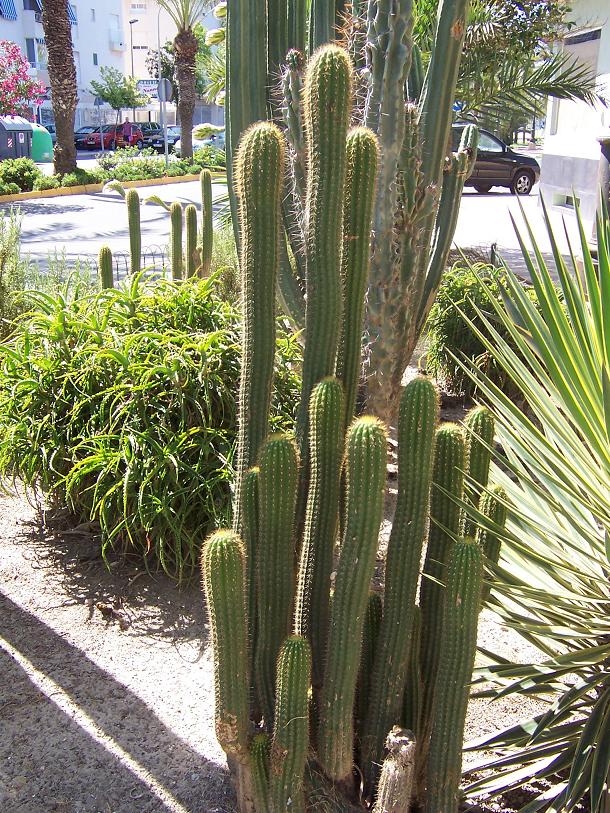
[98,103]
[164,92]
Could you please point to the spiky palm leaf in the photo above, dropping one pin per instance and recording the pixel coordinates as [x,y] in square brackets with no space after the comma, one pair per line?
[185,13]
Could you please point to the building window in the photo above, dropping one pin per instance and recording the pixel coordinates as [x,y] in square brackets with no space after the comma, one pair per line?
[135,6]
[30,51]
[31,5]
[95,59]
[42,55]
[92,15]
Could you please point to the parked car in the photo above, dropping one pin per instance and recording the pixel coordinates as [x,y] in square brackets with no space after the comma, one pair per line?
[173,135]
[50,128]
[113,138]
[498,165]
[214,140]
[151,130]
[80,136]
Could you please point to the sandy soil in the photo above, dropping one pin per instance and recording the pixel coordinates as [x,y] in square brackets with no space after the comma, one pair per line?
[106,688]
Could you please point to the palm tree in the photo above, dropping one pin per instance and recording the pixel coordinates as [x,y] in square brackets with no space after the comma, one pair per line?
[185,14]
[62,75]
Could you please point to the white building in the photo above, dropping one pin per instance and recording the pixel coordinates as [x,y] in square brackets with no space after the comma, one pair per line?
[146,25]
[98,39]
[571,158]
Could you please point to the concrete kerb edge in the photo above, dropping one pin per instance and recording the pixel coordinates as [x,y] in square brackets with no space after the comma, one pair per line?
[89,189]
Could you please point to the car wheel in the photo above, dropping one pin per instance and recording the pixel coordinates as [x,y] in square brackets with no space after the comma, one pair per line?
[522,183]
[139,143]
[482,188]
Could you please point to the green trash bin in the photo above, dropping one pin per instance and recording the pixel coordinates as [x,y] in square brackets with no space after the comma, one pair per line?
[42,144]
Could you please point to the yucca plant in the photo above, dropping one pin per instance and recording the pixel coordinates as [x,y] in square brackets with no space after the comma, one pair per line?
[553,586]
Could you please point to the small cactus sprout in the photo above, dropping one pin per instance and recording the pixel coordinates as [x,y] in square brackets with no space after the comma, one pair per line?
[175,214]
[132,199]
[106,269]
[207,228]
[259,762]
[192,253]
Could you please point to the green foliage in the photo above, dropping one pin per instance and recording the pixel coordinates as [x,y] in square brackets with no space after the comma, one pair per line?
[46,182]
[80,177]
[129,416]
[22,172]
[11,188]
[117,90]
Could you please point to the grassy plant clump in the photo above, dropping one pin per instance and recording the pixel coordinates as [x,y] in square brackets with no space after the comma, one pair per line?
[121,406]
[449,335]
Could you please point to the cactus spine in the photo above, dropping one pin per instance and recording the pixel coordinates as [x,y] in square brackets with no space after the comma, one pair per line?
[458,649]
[321,517]
[480,429]
[223,569]
[365,466]
[106,270]
[207,227]
[175,214]
[275,565]
[328,87]
[132,199]
[416,431]
[259,174]
[190,218]
[362,155]
[291,731]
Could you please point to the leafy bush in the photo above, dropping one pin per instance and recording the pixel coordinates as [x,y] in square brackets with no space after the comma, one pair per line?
[210,158]
[122,406]
[80,177]
[47,182]
[449,336]
[20,171]
[9,188]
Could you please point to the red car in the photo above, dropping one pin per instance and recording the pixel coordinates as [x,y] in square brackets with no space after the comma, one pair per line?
[114,138]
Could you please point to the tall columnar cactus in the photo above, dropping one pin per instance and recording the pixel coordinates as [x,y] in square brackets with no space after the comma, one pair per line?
[259,173]
[370,638]
[291,730]
[132,199]
[275,563]
[176,217]
[365,463]
[493,507]
[458,649]
[223,568]
[106,268]
[416,431]
[192,251]
[207,222]
[259,760]
[480,429]
[328,88]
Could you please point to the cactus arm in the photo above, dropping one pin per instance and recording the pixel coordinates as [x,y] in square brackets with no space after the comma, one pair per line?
[439,87]
[458,649]
[277,44]
[190,219]
[297,24]
[417,421]
[321,518]
[250,535]
[415,79]
[259,177]
[277,481]
[493,506]
[259,762]
[394,791]
[207,227]
[291,731]
[413,684]
[105,267]
[362,154]
[321,23]
[328,85]
[480,430]
[223,570]
[176,240]
[132,199]
[370,637]
[365,466]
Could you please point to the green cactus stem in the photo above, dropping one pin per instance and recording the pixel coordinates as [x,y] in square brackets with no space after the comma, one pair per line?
[411,709]
[207,228]
[291,731]
[175,214]
[190,219]
[105,267]
[493,506]
[370,637]
[365,467]
[328,87]
[250,536]
[458,649]
[480,430]
[362,154]
[321,519]
[277,484]
[132,199]
[396,780]
[447,484]
[259,174]
[223,570]
[417,422]
[259,762]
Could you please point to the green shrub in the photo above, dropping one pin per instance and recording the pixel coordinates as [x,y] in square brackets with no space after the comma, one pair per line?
[210,158]
[449,335]
[47,182]
[122,406]
[80,177]
[9,188]
[20,171]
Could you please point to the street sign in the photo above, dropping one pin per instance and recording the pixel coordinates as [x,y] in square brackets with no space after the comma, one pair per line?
[164,90]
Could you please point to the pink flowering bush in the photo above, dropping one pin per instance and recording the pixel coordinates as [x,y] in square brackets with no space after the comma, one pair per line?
[18,91]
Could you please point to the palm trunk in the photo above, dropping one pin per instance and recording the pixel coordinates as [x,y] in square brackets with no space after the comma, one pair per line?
[62,75]
[186,46]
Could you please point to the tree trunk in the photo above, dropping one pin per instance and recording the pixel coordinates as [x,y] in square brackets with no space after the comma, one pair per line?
[62,75]
[186,46]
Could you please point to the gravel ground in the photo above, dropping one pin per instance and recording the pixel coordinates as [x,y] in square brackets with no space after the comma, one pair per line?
[106,695]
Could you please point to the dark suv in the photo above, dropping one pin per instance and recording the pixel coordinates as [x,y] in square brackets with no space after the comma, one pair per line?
[152,131]
[498,165]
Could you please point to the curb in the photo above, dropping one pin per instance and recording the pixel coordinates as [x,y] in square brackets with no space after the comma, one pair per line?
[89,189]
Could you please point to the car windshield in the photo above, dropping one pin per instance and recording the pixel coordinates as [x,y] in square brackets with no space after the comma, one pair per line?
[174,131]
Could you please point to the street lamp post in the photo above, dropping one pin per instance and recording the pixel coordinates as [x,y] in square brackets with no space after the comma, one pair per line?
[131,24]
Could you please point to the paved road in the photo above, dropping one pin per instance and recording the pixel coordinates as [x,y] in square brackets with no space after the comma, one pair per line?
[80,224]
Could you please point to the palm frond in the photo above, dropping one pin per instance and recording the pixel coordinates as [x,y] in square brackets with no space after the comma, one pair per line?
[185,13]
